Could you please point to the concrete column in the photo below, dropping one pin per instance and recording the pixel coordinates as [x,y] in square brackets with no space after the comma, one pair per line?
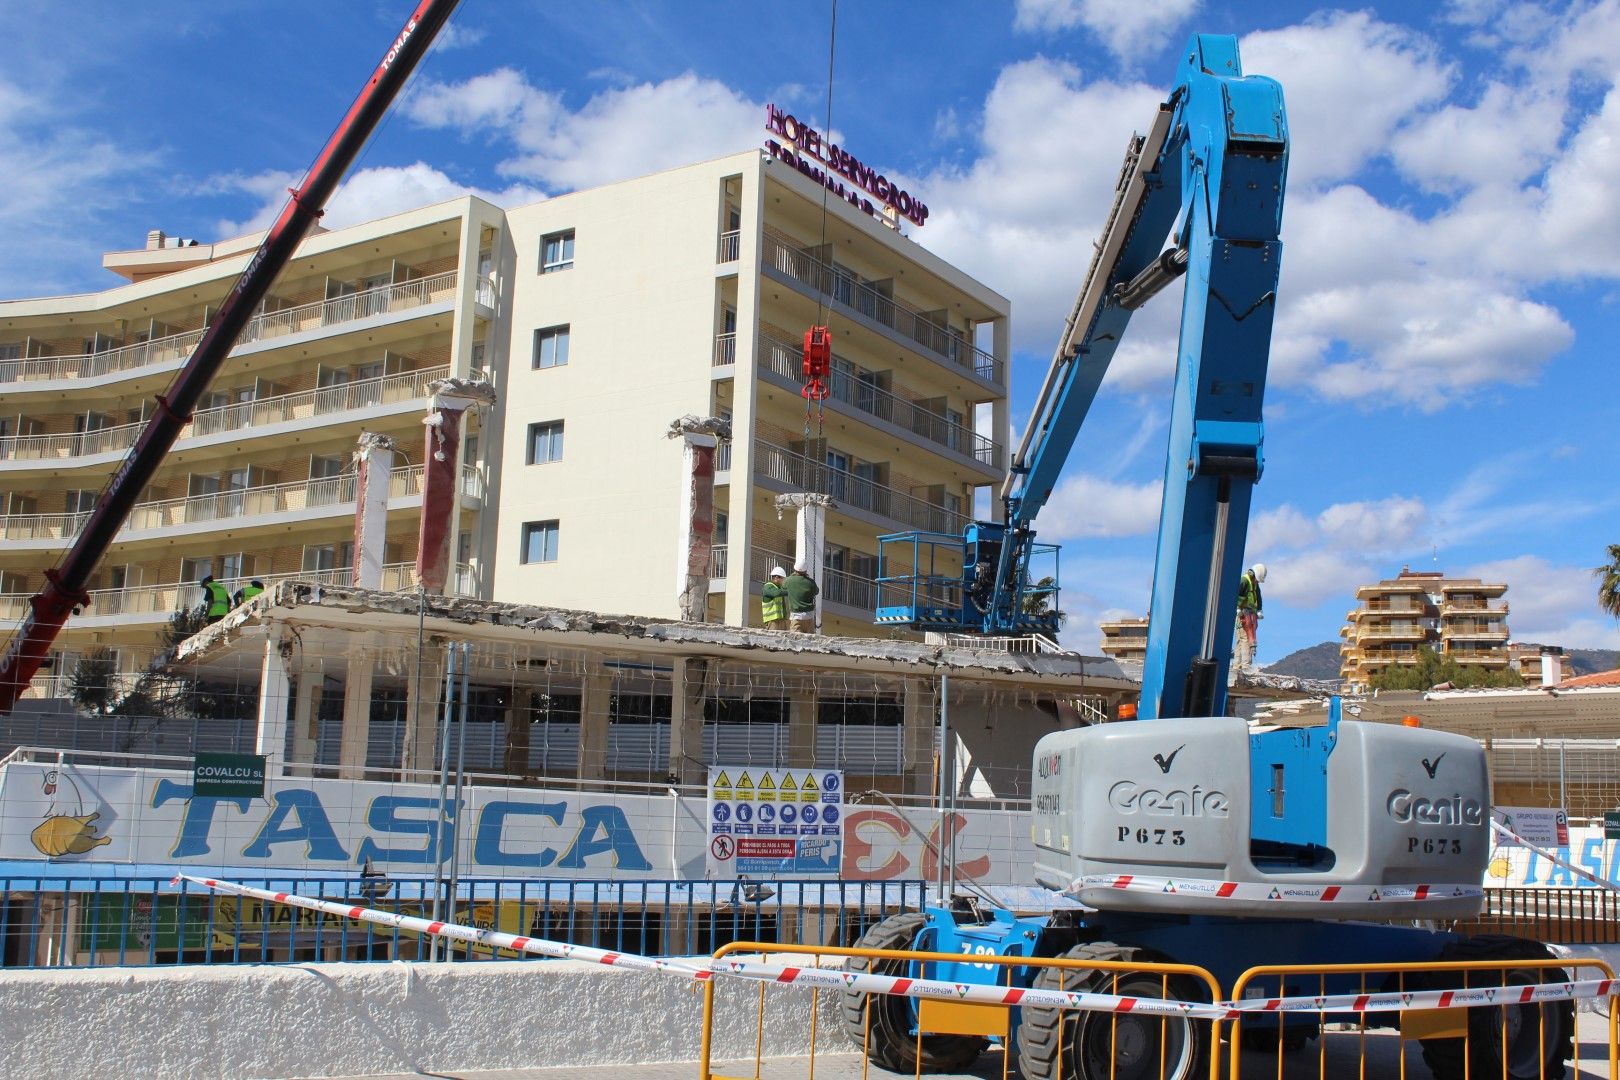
[688,689]
[374,467]
[918,736]
[695,541]
[306,718]
[809,532]
[356,716]
[802,730]
[593,725]
[275,691]
[423,703]
[441,475]
[517,731]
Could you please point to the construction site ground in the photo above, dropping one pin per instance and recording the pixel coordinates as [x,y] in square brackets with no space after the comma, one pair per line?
[1342,1058]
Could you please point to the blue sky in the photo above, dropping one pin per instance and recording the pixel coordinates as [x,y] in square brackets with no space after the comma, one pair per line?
[1442,380]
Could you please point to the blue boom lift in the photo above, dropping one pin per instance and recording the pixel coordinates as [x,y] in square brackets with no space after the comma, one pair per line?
[1188,836]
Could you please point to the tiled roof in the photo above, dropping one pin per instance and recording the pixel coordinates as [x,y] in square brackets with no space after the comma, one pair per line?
[1601,678]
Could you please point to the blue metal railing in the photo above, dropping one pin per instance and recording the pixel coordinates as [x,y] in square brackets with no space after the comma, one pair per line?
[105,922]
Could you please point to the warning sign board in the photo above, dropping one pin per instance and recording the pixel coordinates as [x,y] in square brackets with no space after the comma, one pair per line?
[775,822]
[1541,826]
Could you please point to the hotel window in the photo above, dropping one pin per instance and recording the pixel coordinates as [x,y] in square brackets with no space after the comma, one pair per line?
[545,442]
[557,252]
[540,541]
[551,346]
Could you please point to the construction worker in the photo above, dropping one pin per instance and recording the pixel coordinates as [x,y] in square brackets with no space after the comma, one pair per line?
[773,601]
[801,595]
[1249,614]
[249,591]
[216,599]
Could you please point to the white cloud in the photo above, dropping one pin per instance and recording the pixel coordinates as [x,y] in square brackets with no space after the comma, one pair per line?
[1084,506]
[1281,529]
[1126,27]
[364,196]
[620,132]
[1308,578]
[1383,526]
[1349,81]
[458,35]
[1549,603]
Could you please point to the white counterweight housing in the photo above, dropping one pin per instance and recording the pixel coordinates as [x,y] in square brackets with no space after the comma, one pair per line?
[1174,799]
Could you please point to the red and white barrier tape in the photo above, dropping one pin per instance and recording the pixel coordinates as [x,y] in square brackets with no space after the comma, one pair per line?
[1307,895]
[980,993]
[828,978]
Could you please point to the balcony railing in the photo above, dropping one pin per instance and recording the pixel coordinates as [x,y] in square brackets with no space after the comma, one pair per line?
[837,586]
[325,401]
[162,601]
[862,299]
[1478,656]
[725,349]
[1475,632]
[362,305]
[730,246]
[797,471]
[722,457]
[1382,632]
[241,503]
[717,562]
[1474,607]
[785,360]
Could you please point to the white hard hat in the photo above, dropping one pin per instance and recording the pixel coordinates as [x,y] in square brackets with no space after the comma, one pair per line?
[777,571]
[801,566]
[1260,572]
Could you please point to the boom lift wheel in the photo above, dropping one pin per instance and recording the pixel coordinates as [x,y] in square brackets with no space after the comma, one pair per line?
[1112,1046]
[892,1043]
[1539,1038]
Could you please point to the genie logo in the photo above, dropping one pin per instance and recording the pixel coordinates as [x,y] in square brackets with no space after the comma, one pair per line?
[1129,797]
[1455,809]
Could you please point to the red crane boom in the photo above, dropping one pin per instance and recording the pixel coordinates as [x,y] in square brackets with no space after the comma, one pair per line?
[65,586]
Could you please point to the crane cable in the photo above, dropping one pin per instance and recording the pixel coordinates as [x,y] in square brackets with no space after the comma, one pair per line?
[815,392]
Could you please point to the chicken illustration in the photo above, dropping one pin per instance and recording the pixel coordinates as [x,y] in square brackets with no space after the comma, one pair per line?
[63,833]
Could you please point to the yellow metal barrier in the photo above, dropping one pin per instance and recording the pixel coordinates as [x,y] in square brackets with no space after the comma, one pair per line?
[1479,1043]
[956,1031]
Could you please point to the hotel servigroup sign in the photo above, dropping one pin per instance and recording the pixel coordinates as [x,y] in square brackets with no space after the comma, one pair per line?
[824,161]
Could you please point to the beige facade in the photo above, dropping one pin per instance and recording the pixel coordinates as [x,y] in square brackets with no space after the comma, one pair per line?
[689,292]
[260,483]
[599,316]
[1463,618]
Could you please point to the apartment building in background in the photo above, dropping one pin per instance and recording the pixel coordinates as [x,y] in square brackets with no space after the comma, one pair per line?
[599,317]
[1125,639]
[1463,618]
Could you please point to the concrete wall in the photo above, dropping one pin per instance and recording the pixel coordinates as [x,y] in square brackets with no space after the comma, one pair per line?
[355,1019]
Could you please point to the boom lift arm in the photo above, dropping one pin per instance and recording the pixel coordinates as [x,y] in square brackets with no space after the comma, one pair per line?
[65,586]
[1209,173]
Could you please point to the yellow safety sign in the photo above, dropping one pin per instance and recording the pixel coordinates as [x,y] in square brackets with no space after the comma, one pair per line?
[809,790]
[767,788]
[745,788]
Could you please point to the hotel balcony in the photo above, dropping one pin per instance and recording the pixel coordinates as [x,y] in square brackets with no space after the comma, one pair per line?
[1473,632]
[1369,658]
[1406,605]
[362,399]
[1382,592]
[1480,657]
[300,500]
[424,296]
[883,505]
[1473,606]
[882,314]
[895,411]
[151,604]
[1370,632]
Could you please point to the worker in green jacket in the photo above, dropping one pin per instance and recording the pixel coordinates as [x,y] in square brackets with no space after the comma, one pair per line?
[249,591]
[801,593]
[773,601]
[216,599]
[1249,614]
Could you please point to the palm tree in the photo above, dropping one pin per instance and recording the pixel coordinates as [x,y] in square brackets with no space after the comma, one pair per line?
[1608,576]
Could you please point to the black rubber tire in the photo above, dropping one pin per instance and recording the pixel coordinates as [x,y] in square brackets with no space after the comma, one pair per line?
[892,1044]
[1480,1055]
[1109,1046]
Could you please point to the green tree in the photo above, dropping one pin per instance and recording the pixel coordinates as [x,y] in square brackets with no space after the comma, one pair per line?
[1038,598]
[1432,669]
[1608,576]
[91,686]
